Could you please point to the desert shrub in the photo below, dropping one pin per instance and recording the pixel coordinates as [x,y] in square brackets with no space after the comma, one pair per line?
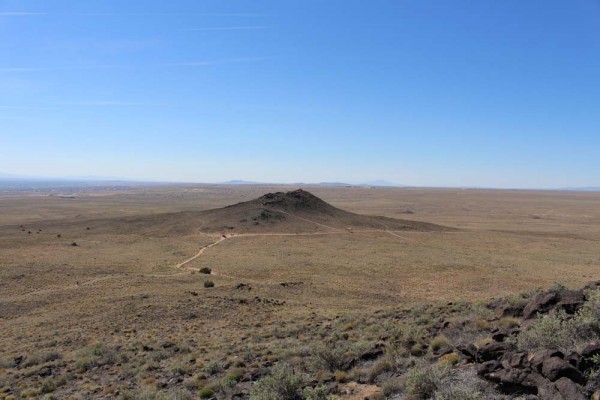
[205,270]
[104,355]
[179,369]
[236,373]
[84,364]
[317,393]
[7,363]
[472,332]
[340,376]
[360,346]
[150,394]
[206,393]
[181,395]
[554,331]
[508,322]
[587,319]
[391,387]
[449,359]
[482,310]
[295,351]
[518,300]
[409,333]
[213,367]
[282,384]
[226,382]
[380,366]
[209,284]
[48,386]
[557,287]
[482,324]
[157,356]
[442,383]
[422,381]
[561,331]
[593,374]
[41,358]
[97,355]
[439,342]
[330,357]
[464,385]
[417,349]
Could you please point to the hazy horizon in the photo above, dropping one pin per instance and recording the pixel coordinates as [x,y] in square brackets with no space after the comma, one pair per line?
[419,93]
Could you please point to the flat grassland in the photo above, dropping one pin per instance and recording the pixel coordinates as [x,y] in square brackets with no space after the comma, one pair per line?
[73,277]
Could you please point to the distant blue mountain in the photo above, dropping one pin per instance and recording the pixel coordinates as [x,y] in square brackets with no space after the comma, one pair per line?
[585,189]
[6,176]
[334,184]
[242,182]
[380,182]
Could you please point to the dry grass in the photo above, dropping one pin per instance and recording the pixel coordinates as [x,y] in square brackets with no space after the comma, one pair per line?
[119,288]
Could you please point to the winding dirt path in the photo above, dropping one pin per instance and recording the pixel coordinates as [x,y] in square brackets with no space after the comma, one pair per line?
[183,271]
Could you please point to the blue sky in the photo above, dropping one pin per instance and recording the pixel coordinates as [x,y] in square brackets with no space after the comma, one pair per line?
[437,93]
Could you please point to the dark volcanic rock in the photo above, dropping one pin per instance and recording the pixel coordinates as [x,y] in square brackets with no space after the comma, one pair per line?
[507,310]
[514,360]
[469,352]
[570,300]
[373,353]
[488,367]
[554,368]
[540,304]
[492,351]
[569,389]
[537,359]
[511,381]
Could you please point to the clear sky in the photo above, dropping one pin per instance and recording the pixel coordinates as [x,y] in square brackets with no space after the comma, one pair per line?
[497,93]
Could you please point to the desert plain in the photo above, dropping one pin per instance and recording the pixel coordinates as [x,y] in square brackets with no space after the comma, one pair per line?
[109,291]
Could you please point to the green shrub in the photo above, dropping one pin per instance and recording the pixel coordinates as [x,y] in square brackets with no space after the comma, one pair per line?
[422,380]
[380,366]
[442,383]
[84,364]
[318,393]
[439,342]
[587,319]
[464,385]
[209,284]
[205,270]
[213,367]
[181,395]
[554,331]
[561,331]
[179,369]
[593,374]
[330,357]
[283,384]
[206,393]
[48,386]
[391,387]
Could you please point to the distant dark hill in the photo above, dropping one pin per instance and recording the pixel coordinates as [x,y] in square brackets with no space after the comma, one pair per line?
[292,212]
[298,211]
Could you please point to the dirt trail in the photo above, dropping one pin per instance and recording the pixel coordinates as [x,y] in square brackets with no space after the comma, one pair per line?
[186,270]
[61,288]
[202,250]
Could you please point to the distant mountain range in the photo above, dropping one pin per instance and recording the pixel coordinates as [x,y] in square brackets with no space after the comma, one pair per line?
[380,183]
[6,177]
[585,189]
